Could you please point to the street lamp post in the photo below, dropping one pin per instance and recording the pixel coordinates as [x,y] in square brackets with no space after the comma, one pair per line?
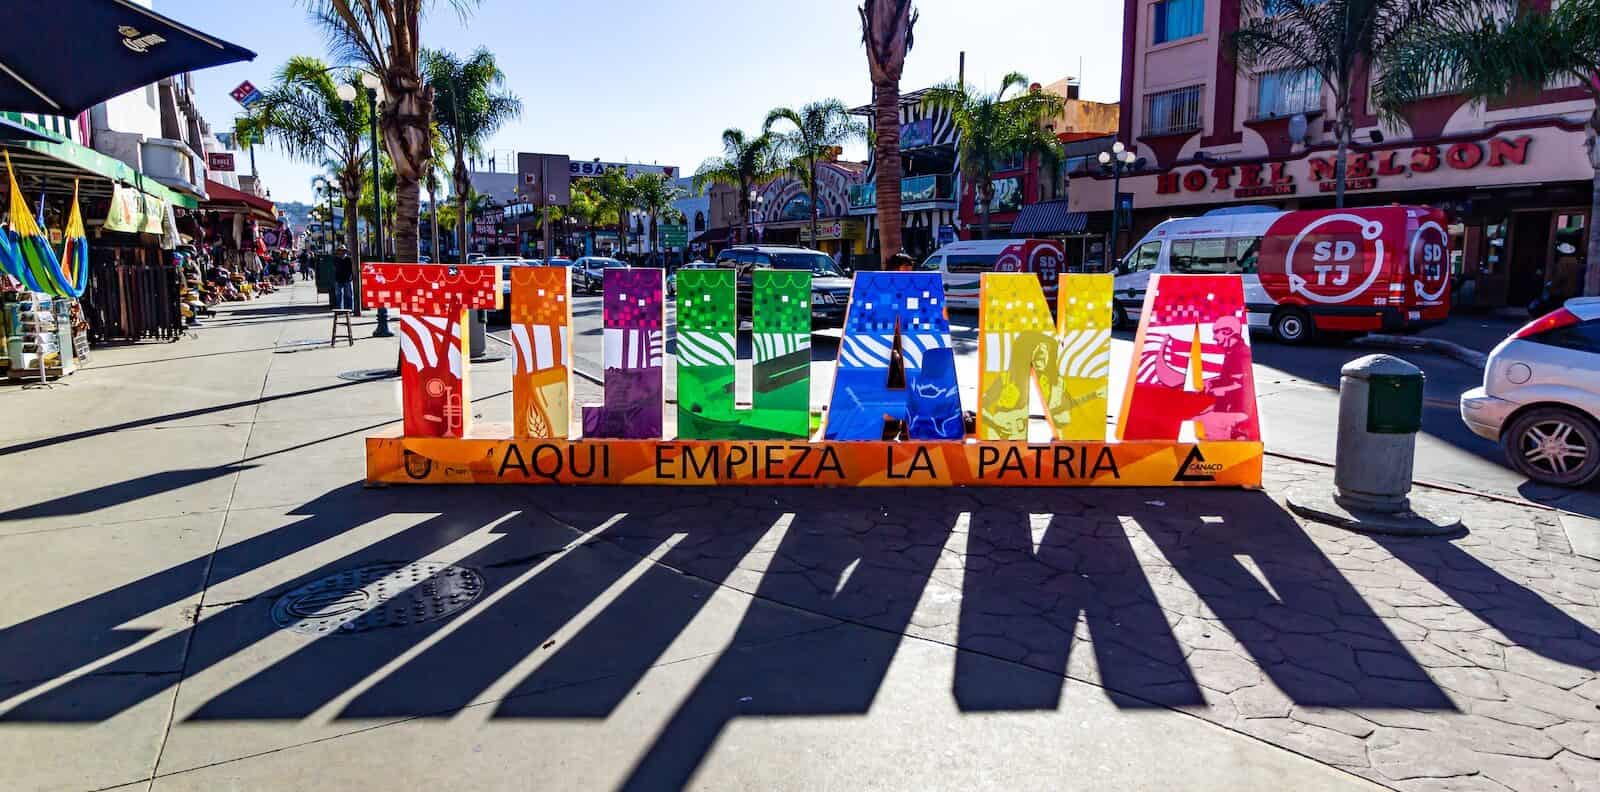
[347,92]
[756,201]
[1117,159]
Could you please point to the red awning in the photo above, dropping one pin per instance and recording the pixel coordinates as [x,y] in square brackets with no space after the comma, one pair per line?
[225,198]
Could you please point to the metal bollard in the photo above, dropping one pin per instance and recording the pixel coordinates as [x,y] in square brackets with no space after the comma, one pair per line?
[477,344]
[1380,413]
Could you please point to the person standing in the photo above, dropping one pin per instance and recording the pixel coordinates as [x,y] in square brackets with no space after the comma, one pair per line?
[344,272]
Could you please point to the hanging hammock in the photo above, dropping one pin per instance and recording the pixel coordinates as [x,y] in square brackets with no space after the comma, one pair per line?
[25,251]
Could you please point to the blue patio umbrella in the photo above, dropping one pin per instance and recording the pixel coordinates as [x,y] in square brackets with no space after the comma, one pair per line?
[64,56]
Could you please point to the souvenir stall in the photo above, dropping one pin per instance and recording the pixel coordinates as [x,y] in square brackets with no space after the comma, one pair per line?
[134,287]
[40,317]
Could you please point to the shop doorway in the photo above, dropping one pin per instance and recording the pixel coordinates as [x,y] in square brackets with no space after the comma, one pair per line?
[1530,247]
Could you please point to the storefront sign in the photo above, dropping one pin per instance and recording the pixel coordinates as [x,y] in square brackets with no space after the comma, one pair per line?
[1363,170]
[1007,195]
[220,161]
[135,212]
[832,229]
[916,134]
[589,168]
[245,94]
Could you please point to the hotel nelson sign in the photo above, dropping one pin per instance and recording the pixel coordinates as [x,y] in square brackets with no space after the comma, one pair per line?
[1365,170]
[1187,414]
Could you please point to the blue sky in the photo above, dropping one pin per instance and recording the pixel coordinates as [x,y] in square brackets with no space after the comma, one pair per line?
[658,82]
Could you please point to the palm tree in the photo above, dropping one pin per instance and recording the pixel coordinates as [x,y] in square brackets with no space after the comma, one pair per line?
[886,27]
[588,208]
[818,128]
[468,107]
[1485,61]
[1338,39]
[615,193]
[744,164]
[384,36]
[994,129]
[653,193]
[303,114]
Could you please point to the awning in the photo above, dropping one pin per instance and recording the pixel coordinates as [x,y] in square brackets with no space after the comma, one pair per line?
[65,56]
[713,236]
[58,163]
[1048,218]
[225,198]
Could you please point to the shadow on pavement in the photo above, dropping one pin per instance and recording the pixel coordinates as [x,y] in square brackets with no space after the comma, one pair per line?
[586,590]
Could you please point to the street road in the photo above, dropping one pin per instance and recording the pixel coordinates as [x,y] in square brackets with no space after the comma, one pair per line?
[1297,388]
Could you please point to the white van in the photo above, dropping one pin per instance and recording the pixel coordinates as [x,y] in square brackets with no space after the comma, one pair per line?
[1304,272]
[962,264]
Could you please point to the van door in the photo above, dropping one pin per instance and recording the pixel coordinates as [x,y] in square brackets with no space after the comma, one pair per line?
[962,274]
[1133,278]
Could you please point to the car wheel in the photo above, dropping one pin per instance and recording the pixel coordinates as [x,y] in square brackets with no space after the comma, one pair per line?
[1554,445]
[1293,326]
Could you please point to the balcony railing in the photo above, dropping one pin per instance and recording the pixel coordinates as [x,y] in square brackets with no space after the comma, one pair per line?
[917,189]
[1172,112]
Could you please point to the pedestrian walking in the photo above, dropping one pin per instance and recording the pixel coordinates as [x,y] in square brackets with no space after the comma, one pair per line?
[344,272]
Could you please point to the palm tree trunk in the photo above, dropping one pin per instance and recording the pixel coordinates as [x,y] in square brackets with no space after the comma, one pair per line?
[1591,272]
[886,120]
[350,184]
[744,214]
[812,187]
[433,223]
[1346,130]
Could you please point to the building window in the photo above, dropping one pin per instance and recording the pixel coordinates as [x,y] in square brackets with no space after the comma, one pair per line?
[1172,112]
[699,221]
[1176,19]
[1286,92]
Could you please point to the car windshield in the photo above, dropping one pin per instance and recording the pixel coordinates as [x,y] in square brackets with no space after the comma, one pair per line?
[611,263]
[820,265]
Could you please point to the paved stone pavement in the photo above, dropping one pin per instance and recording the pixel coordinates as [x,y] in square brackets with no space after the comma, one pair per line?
[165,507]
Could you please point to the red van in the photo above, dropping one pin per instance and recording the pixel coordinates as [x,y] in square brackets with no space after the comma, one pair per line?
[1335,270]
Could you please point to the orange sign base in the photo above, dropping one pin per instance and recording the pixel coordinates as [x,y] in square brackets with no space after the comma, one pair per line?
[488,455]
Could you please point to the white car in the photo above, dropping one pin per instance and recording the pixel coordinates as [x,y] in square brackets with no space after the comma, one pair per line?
[1541,396]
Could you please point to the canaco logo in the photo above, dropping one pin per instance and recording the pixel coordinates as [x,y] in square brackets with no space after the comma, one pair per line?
[1196,468]
[140,43]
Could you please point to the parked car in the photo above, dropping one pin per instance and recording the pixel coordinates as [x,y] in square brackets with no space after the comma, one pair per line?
[502,315]
[672,277]
[1340,271]
[588,273]
[475,258]
[1540,397]
[962,264]
[830,289]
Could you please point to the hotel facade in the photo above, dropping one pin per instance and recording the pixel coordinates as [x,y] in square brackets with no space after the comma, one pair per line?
[1513,174]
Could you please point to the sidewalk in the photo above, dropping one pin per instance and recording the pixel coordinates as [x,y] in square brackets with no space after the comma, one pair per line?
[184,524]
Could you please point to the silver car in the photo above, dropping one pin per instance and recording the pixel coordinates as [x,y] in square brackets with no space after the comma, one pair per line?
[1541,396]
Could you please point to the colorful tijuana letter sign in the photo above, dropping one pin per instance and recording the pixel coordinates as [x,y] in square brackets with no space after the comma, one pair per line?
[707,347]
[432,300]
[1192,362]
[633,343]
[541,379]
[896,367]
[1068,358]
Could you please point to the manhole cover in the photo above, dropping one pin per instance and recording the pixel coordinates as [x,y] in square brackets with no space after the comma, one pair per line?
[377,596]
[367,375]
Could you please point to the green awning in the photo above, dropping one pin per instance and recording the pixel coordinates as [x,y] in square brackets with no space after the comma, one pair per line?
[87,159]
